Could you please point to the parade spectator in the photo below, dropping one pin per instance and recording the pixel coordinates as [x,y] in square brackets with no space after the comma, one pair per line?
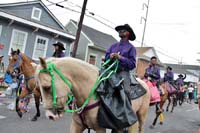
[59,50]
[12,87]
[190,91]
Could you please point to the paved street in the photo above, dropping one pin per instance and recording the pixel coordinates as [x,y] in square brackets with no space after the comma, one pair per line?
[185,119]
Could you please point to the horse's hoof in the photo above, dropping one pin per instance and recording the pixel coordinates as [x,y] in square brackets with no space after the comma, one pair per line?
[151,127]
[19,114]
[34,119]
[161,123]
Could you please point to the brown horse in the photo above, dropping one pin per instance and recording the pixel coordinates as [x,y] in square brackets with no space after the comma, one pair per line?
[82,76]
[163,98]
[23,62]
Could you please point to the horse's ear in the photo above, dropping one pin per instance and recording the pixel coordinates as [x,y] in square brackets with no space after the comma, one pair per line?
[18,51]
[43,62]
[12,50]
[34,65]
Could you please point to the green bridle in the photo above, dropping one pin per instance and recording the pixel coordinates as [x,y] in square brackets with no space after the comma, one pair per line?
[51,68]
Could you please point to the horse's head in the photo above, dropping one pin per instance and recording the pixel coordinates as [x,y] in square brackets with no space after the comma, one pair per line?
[53,110]
[15,61]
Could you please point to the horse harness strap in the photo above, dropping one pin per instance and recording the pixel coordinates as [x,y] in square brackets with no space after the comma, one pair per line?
[27,79]
[17,63]
[88,107]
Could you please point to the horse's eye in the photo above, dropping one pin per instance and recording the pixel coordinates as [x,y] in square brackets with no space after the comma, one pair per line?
[46,88]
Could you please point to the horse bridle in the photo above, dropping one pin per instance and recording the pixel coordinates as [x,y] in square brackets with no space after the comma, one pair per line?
[17,64]
[51,68]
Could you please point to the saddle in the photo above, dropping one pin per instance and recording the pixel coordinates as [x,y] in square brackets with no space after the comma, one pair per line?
[137,90]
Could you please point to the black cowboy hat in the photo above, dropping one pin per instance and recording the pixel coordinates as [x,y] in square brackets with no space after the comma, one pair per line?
[180,75]
[168,67]
[1,56]
[59,44]
[132,36]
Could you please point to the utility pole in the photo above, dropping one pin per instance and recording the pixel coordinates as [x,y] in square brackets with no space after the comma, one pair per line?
[145,20]
[79,28]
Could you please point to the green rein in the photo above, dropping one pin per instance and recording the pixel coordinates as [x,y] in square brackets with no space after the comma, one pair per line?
[51,68]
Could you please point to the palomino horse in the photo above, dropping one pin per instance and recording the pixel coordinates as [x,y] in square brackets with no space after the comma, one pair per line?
[23,62]
[82,77]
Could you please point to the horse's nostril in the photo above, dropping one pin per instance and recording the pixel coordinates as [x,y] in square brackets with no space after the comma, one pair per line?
[51,118]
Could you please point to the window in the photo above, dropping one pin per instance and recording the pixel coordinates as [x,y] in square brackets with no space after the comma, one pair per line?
[18,40]
[0,29]
[36,13]
[92,59]
[40,47]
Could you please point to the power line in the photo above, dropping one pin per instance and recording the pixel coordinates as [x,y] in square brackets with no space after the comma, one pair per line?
[91,13]
[58,2]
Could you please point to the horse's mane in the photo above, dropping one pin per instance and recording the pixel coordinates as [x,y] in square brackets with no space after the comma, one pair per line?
[26,58]
[84,64]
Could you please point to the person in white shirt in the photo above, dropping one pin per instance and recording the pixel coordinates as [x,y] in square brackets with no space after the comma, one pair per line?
[190,90]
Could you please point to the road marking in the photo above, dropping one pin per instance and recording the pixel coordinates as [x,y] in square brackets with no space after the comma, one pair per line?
[2,117]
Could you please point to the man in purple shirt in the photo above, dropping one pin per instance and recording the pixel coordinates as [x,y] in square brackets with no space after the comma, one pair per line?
[59,48]
[153,72]
[169,75]
[125,52]
[180,80]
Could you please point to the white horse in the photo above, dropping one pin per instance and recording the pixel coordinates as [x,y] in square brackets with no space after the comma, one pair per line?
[82,76]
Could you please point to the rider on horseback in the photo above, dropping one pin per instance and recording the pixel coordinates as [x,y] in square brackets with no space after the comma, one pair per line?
[153,73]
[125,52]
[180,81]
[169,76]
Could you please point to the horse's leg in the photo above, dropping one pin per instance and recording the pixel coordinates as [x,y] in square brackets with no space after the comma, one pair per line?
[141,119]
[37,104]
[17,104]
[133,128]
[169,102]
[117,131]
[100,130]
[75,127]
[158,112]
[173,103]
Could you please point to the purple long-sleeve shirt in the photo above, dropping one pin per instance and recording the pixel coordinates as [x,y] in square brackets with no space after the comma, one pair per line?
[127,54]
[179,82]
[154,71]
[59,55]
[169,76]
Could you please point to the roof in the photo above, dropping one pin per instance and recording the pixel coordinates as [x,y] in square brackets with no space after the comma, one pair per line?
[98,38]
[142,50]
[141,54]
[179,68]
[13,16]
[192,67]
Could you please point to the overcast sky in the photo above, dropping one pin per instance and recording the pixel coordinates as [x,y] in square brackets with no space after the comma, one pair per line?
[172,26]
